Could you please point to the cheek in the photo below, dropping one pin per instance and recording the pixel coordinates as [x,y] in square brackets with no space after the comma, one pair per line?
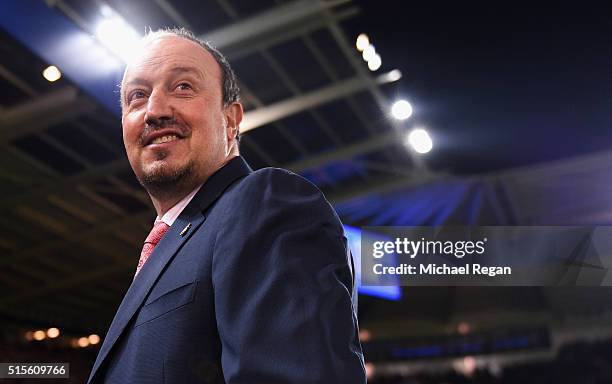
[131,133]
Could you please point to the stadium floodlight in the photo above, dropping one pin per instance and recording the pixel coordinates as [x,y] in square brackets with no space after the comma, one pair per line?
[368,52]
[118,36]
[420,141]
[52,73]
[401,110]
[362,42]
[374,63]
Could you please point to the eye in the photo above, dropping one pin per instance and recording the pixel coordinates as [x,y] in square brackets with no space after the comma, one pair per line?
[184,87]
[135,95]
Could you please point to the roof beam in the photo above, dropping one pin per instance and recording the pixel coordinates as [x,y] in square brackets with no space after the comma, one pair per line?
[60,186]
[306,27]
[262,116]
[276,21]
[44,111]
[346,152]
[16,81]
[174,14]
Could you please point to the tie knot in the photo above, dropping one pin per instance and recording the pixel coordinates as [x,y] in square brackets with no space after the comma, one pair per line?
[158,231]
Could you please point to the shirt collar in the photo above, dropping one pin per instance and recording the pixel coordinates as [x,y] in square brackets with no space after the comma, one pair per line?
[170,216]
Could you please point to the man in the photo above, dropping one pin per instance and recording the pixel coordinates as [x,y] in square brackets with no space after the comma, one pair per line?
[246,276]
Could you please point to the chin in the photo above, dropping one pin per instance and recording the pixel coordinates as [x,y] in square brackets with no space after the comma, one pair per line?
[163,175]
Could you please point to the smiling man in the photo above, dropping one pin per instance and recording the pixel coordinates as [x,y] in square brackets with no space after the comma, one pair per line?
[246,276]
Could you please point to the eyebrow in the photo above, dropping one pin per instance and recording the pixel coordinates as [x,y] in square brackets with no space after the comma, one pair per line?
[175,70]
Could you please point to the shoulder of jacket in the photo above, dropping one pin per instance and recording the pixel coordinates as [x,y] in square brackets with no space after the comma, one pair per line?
[270,175]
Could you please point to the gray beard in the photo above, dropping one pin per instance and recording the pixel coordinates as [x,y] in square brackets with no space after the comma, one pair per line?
[167,182]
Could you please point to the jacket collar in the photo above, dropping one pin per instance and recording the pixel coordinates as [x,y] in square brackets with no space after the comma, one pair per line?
[214,187]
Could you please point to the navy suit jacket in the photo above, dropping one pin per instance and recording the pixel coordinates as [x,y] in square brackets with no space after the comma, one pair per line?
[253,283]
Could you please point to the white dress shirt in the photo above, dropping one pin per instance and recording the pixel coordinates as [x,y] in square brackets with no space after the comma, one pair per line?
[174,212]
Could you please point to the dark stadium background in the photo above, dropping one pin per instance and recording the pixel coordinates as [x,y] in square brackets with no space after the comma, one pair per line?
[516,99]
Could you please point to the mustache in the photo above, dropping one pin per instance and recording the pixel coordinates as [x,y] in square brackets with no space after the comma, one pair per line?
[152,125]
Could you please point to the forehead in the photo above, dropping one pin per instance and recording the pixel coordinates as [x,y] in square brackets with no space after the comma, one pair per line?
[161,55]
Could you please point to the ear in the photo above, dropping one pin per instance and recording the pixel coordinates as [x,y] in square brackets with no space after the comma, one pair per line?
[233,116]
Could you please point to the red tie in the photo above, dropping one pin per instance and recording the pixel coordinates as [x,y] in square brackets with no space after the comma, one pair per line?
[158,231]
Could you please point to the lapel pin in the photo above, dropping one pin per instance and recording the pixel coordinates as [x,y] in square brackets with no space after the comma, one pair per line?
[184,231]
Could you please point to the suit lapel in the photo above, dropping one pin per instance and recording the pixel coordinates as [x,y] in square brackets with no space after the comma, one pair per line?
[192,215]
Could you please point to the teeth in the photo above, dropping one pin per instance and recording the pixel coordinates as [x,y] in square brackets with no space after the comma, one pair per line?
[164,139]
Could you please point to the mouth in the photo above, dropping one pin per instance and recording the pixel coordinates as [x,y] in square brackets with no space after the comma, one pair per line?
[162,137]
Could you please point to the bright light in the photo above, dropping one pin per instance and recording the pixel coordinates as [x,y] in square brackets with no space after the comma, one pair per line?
[463,328]
[362,42]
[39,335]
[93,339]
[51,73]
[106,11]
[52,333]
[401,110]
[370,370]
[469,365]
[368,52]
[83,342]
[420,141]
[374,63]
[99,60]
[118,36]
[364,335]
[394,75]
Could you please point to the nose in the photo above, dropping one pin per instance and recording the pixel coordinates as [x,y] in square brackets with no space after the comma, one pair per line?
[158,108]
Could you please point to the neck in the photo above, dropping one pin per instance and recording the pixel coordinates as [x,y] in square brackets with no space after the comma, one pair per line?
[164,200]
